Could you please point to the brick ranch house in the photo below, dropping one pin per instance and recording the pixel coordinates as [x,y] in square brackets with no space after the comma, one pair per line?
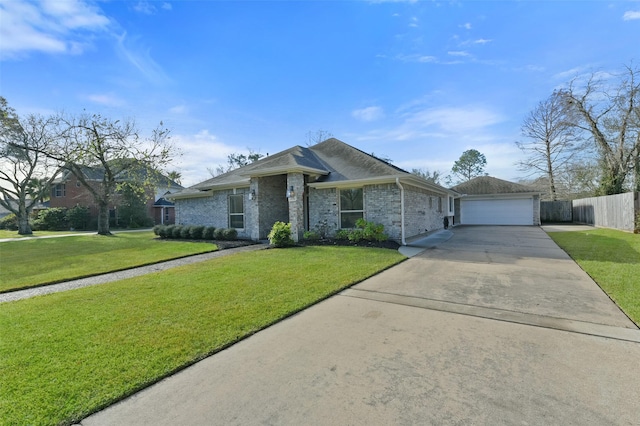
[68,192]
[331,182]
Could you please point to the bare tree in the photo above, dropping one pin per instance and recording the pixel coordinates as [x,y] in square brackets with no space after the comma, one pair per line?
[25,172]
[551,140]
[114,151]
[318,136]
[471,164]
[235,160]
[610,115]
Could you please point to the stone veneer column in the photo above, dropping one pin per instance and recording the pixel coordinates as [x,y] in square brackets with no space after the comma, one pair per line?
[296,205]
[251,222]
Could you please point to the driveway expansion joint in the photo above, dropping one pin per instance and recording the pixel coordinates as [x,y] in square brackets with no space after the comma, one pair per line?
[560,324]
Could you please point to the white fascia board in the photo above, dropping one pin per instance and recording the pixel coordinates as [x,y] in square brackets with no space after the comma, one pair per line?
[407,180]
[201,194]
[513,195]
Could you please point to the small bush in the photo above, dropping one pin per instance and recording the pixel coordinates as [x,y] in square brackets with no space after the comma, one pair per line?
[157,228]
[185,232]
[311,235]
[164,231]
[280,235]
[230,234]
[177,231]
[9,222]
[218,234]
[371,231]
[342,234]
[356,235]
[169,231]
[196,232]
[208,233]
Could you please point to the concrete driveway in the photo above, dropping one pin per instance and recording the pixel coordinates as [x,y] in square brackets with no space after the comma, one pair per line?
[496,325]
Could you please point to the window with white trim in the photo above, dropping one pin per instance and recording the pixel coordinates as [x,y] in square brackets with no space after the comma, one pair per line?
[351,207]
[60,190]
[236,211]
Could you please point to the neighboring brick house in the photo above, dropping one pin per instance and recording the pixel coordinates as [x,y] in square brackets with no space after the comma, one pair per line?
[67,191]
[331,183]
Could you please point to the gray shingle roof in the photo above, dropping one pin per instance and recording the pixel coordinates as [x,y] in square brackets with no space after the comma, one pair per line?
[331,160]
[486,185]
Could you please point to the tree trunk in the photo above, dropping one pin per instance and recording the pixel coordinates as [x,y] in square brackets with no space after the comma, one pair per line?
[24,228]
[103,219]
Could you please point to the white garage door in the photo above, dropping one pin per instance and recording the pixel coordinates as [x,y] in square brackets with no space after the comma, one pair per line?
[497,212]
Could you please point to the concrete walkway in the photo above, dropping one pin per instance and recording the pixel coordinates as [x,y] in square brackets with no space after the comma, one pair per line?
[496,325]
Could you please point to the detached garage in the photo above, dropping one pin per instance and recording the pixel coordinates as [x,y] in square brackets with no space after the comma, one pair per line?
[487,200]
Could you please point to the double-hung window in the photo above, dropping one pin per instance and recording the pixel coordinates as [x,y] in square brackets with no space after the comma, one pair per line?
[60,190]
[351,207]
[236,211]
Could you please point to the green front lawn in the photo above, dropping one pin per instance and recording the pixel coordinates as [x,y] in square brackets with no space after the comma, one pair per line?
[612,259]
[66,355]
[28,263]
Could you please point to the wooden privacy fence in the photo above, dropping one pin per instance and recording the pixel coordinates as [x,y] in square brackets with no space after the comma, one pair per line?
[556,211]
[610,211]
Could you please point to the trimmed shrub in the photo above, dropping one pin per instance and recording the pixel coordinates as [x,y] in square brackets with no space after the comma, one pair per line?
[156,229]
[185,232]
[218,234]
[196,232]
[371,231]
[280,235]
[209,232]
[230,234]
[177,231]
[169,231]
[9,222]
[165,231]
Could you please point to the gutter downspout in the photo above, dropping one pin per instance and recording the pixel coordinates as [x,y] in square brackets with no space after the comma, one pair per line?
[404,243]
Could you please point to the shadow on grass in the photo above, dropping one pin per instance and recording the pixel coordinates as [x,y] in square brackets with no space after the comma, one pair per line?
[597,248]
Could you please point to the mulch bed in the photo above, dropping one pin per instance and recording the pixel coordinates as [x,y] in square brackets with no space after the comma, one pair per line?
[331,242]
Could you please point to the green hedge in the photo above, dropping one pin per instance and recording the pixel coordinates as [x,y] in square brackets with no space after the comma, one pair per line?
[195,232]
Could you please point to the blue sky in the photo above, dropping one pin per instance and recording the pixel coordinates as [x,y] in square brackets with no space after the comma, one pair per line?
[418,82]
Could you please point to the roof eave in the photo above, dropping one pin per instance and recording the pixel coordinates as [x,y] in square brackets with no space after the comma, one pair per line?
[286,169]
[406,179]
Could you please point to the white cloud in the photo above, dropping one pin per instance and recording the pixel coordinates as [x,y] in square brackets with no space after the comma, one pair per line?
[466,25]
[454,120]
[199,152]
[179,109]
[48,26]
[144,7]
[167,6]
[458,53]
[417,58]
[482,41]
[631,15]
[368,114]
[140,57]
[106,99]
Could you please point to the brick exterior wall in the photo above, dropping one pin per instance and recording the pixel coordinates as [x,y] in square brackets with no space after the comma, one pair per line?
[213,211]
[270,206]
[382,205]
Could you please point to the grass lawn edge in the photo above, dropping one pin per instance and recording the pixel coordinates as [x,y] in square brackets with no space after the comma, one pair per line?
[80,277]
[637,323]
[227,345]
